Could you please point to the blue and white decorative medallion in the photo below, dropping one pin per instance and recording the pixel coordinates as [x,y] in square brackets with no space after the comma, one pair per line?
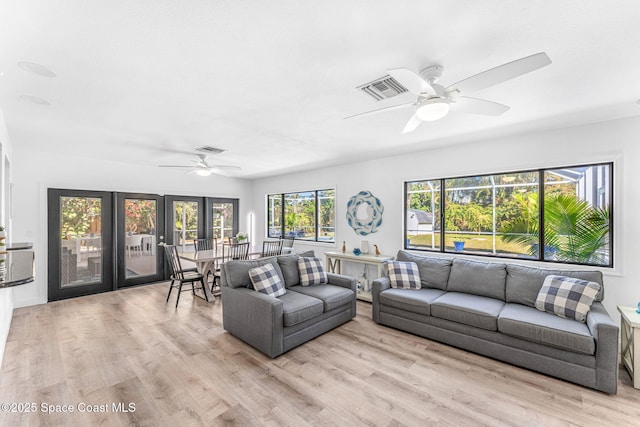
[364,213]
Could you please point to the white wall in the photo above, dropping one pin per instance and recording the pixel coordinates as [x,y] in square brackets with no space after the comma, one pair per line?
[35,172]
[6,294]
[607,141]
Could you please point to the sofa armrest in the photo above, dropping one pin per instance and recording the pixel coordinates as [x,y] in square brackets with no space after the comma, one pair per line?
[378,285]
[255,318]
[343,281]
[605,331]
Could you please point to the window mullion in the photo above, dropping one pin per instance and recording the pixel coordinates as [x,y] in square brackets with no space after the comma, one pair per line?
[541,215]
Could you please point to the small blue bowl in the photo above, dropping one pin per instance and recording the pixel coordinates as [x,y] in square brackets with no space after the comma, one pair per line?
[357,251]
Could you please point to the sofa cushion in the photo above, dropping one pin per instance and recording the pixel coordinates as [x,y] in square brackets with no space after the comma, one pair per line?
[403,275]
[332,296]
[297,308]
[266,279]
[311,271]
[289,266]
[473,310]
[524,283]
[415,301]
[434,272]
[237,271]
[567,297]
[527,323]
[478,278]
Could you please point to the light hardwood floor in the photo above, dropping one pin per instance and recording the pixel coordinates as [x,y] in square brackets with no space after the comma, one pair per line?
[180,368]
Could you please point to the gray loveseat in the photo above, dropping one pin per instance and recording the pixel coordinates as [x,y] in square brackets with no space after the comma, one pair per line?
[489,308]
[276,325]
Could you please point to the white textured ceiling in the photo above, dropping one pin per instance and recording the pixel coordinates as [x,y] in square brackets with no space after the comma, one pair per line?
[146,82]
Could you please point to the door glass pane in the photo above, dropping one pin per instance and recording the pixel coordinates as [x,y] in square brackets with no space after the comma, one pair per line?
[223,214]
[185,224]
[80,241]
[140,237]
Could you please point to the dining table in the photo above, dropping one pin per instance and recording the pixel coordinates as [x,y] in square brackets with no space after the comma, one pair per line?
[205,262]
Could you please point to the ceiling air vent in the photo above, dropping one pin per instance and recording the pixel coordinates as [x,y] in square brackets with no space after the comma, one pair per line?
[383,88]
[210,150]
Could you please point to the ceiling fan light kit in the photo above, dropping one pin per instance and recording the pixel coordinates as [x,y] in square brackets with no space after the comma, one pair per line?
[435,101]
[432,109]
[203,172]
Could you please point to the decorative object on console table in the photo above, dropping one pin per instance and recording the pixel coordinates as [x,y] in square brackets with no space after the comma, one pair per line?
[334,265]
[364,213]
[357,251]
[377,250]
[241,237]
[344,247]
[364,247]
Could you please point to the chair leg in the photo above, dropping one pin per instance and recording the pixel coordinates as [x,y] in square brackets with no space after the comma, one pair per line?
[179,292]
[170,289]
[204,290]
[193,288]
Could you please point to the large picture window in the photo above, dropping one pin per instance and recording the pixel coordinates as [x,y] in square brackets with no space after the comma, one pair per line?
[306,215]
[565,211]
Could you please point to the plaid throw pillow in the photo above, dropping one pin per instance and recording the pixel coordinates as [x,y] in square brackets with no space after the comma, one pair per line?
[265,279]
[567,297]
[404,275]
[311,271]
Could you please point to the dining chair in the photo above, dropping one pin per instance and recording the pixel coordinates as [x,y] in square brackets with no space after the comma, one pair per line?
[271,248]
[178,274]
[208,245]
[205,244]
[230,251]
[287,244]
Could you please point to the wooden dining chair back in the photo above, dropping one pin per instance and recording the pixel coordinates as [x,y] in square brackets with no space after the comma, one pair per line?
[271,248]
[205,244]
[180,275]
[287,245]
[232,251]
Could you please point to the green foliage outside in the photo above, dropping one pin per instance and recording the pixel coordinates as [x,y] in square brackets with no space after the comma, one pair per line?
[77,215]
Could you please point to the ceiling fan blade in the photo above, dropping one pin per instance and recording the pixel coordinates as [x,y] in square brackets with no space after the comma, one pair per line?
[464,104]
[501,73]
[412,124]
[225,167]
[379,110]
[413,82]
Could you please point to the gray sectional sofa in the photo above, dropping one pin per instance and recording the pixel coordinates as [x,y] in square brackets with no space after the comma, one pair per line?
[489,308]
[276,325]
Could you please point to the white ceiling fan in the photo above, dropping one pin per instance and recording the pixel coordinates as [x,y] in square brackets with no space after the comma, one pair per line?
[203,168]
[434,101]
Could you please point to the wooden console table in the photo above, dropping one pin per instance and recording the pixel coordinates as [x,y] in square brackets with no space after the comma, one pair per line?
[334,265]
[630,343]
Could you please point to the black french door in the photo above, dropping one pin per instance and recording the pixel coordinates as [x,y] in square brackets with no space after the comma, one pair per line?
[139,230]
[80,243]
[101,241]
